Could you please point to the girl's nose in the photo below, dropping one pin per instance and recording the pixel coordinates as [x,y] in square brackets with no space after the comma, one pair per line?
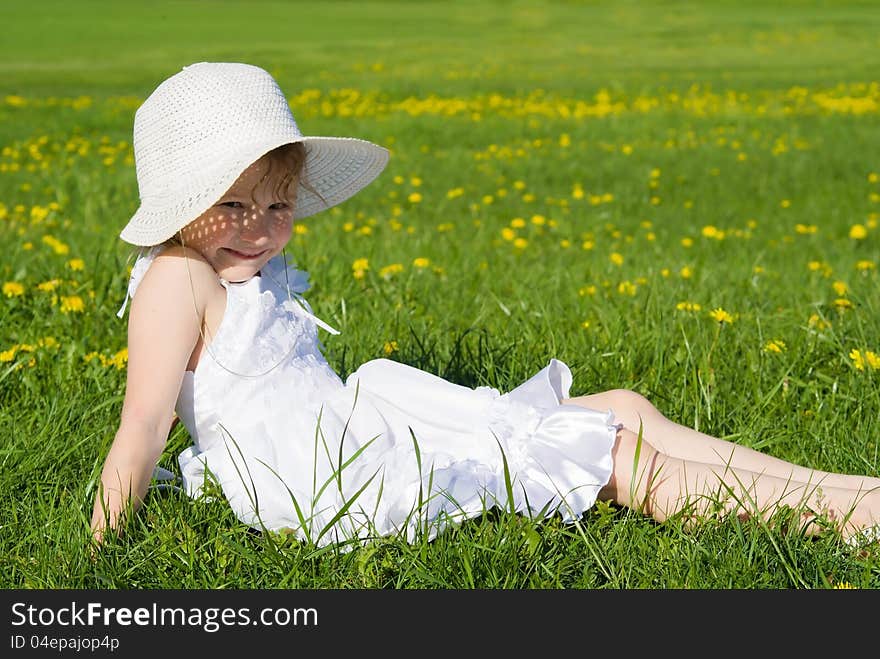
[253,225]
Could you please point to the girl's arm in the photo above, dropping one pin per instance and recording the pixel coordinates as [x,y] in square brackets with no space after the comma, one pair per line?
[163,328]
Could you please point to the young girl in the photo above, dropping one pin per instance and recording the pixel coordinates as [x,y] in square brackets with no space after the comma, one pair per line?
[218,328]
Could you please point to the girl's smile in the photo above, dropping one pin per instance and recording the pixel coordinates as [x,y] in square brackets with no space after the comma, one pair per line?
[241,255]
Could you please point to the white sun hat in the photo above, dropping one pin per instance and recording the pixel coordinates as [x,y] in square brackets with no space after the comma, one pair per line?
[202,127]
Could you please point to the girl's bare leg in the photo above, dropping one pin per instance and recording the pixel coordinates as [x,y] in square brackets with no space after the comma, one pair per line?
[688,444]
[662,485]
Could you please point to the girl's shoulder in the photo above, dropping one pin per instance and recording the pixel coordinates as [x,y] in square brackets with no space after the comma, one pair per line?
[175,262]
[174,273]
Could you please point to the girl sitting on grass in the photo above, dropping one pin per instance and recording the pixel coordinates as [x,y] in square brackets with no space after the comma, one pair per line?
[219,330]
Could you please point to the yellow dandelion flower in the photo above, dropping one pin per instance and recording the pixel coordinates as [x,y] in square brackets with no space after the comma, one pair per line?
[710,231]
[857,359]
[721,316]
[665,272]
[817,322]
[687,242]
[390,347]
[873,177]
[840,288]
[520,243]
[539,220]
[300,229]
[119,360]
[72,303]
[390,270]
[785,203]
[565,243]
[873,360]
[774,345]
[627,288]
[858,232]
[517,223]
[586,324]
[421,262]
[8,355]
[686,272]
[688,306]
[13,289]
[360,264]
[616,258]
[843,303]
[587,290]
[508,234]
[49,286]
[588,245]
[844,585]
[864,264]
[76,264]
[348,227]
[414,197]
[57,246]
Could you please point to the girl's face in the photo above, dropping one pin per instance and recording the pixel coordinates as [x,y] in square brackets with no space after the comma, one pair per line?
[247,226]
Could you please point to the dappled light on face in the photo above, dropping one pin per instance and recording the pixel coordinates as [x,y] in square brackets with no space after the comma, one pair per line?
[208,230]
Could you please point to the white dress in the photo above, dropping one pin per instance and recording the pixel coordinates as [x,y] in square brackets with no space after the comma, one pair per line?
[393,449]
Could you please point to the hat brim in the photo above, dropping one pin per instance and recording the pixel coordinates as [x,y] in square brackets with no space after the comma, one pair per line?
[335,169]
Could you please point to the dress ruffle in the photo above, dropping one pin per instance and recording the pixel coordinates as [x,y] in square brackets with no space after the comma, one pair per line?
[552,457]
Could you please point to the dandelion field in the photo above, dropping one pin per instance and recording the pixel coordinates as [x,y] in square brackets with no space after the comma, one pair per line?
[671,198]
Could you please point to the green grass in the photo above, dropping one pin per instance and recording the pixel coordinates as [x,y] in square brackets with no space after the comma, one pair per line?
[759,121]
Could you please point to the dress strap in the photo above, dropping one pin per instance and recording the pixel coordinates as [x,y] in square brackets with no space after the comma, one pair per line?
[287,279]
[302,307]
[138,270]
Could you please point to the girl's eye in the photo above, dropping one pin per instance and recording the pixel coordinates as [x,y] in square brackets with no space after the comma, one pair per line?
[231,204]
[279,206]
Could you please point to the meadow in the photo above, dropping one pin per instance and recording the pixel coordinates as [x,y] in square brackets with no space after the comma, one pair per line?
[679,198]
